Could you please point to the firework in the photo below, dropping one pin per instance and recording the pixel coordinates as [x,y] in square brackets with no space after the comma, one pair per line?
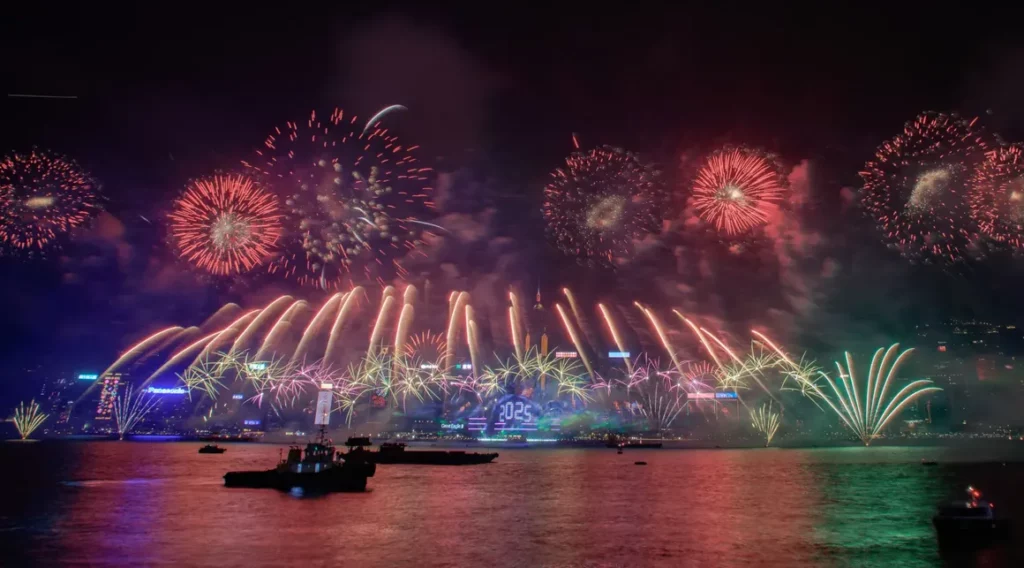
[130,407]
[226,224]
[659,400]
[915,187]
[352,198]
[997,195]
[42,196]
[766,421]
[27,418]
[867,411]
[600,202]
[735,188]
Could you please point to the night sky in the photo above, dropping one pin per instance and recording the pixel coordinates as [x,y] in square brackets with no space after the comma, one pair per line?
[165,94]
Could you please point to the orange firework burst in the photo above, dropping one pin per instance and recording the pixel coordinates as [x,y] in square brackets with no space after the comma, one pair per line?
[997,195]
[226,224]
[427,346]
[600,202]
[734,188]
[42,196]
[915,186]
[352,196]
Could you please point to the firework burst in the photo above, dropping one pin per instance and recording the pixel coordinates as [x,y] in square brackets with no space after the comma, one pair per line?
[27,418]
[130,407]
[735,188]
[42,196]
[915,187]
[997,195]
[226,224]
[766,421]
[351,196]
[600,202]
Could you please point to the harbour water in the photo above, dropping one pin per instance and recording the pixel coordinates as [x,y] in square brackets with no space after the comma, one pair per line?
[140,504]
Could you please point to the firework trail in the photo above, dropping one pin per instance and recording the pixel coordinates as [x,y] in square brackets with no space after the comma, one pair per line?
[42,196]
[402,330]
[339,321]
[765,421]
[315,325]
[456,308]
[514,324]
[158,339]
[997,195]
[472,341]
[600,202]
[229,331]
[226,224]
[619,344]
[351,198]
[575,340]
[261,319]
[27,418]
[703,341]
[130,408]
[867,413]
[915,187]
[190,351]
[662,336]
[736,187]
[280,327]
[378,327]
[661,403]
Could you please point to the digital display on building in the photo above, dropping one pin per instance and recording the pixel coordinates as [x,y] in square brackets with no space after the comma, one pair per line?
[257,366]
[726,395]
[618,354]
[515,412]
[721,395]
[251,422]
[238,396]
[166,390]
[88,377]
[566,355]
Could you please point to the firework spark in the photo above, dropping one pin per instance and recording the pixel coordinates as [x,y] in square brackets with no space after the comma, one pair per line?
[997,195]
[226,224]
[42,196]
[130,407]
[915,187]
[352,198]
[600,202]
[27,418]
[766,421]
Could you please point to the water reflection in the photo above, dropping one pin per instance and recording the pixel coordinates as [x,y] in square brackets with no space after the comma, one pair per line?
[137,503]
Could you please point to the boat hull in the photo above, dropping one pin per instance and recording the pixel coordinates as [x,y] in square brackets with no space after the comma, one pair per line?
[954,529]
[347,478]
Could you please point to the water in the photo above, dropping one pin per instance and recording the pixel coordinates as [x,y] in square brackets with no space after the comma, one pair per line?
[139,504]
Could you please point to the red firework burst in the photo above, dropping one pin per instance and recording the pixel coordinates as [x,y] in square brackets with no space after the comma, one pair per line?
[916,185]
[997,195]
[42,196]
[735,187]
[600,202]
[427,346]
[226,224]
[352,198]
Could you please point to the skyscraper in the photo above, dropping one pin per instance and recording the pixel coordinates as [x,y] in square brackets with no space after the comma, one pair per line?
[108,394]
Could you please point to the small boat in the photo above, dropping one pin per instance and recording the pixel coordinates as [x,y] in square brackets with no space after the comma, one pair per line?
[639,463]
[317,469]
[212,449]
[395,453]
[929,462]
[969,521]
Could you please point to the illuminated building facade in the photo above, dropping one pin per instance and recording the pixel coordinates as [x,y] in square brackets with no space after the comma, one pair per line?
[109,384]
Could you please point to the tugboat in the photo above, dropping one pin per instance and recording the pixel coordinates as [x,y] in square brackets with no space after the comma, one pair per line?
[212,449]
[395,453]
[970,521]
[317,469]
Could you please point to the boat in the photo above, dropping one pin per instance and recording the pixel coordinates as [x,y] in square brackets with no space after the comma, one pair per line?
[968,521]
[395,453]
[616,442]
[317,469]
[212,449]
[929,462]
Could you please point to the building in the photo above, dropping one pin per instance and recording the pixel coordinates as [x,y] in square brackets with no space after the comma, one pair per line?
[109,385]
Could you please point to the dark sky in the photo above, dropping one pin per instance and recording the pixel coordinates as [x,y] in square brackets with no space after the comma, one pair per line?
[167,92]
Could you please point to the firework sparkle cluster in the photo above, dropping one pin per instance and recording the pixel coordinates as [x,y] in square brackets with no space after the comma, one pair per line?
[600,202]
[735,187]
[43,196]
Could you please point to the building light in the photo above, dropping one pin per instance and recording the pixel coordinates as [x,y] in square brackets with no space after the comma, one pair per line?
[566,354]
[428,366]
[326,386]
[238,396]
[257,366]
[466,366]
[88,377]
[166,390]
[618,354]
